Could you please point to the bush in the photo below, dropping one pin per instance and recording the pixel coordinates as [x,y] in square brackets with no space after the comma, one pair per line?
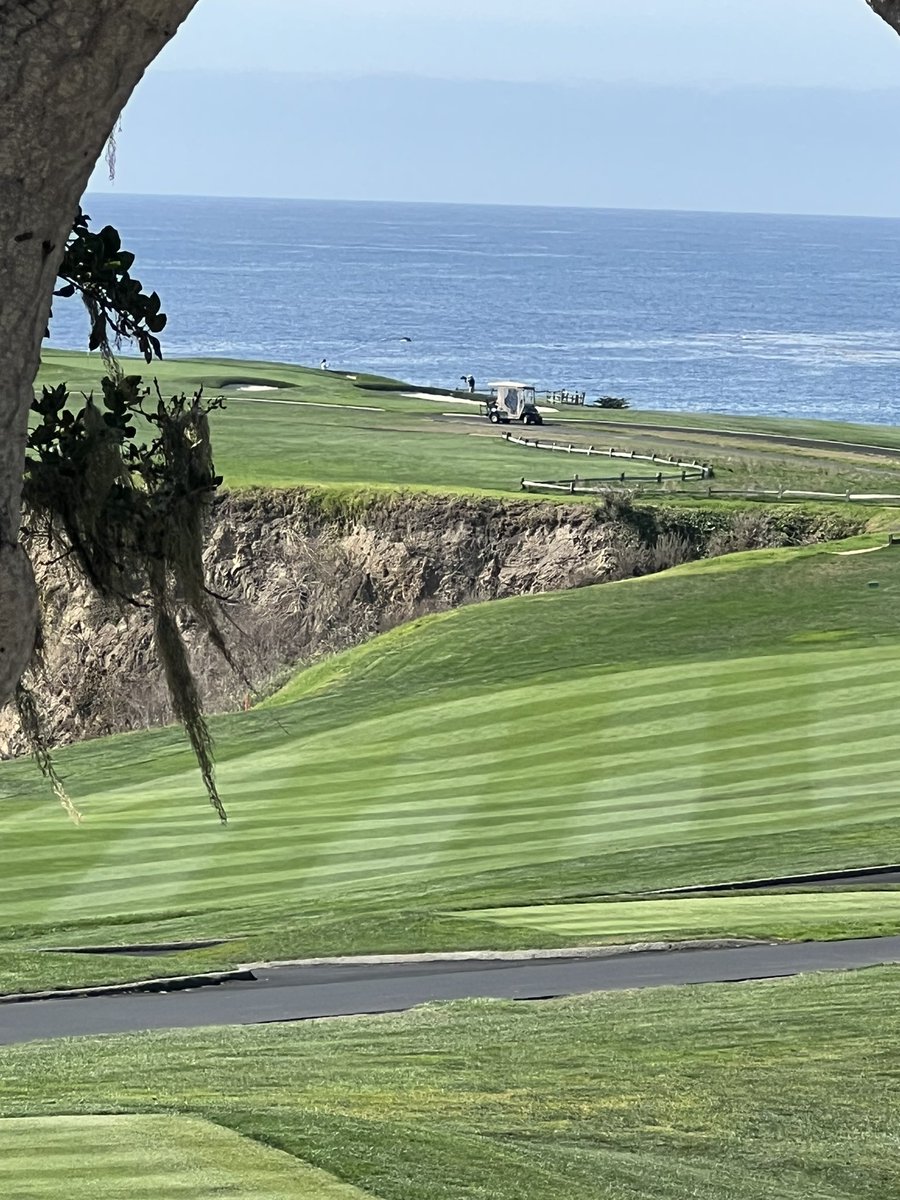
[611,402]
[671,550]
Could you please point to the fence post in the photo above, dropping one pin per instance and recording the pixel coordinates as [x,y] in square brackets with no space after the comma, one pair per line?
[572,487]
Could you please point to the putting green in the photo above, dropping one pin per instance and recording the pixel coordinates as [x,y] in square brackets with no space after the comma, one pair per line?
[737,915]
[150,1158]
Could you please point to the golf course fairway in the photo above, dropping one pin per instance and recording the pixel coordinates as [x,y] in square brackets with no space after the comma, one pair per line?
[546,773]
[716,722]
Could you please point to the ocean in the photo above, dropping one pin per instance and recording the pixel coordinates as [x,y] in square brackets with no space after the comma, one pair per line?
[792,316]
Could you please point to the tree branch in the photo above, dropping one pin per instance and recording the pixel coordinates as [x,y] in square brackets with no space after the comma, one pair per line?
[67,67]
[888,10]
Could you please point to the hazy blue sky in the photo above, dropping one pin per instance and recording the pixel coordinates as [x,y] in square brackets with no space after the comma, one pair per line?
[761,105]
[834,43]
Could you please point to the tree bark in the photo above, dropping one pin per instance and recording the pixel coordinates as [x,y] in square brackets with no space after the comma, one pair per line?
[67,68]
[888,10]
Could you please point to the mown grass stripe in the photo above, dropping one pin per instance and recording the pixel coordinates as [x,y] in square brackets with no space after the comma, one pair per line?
[443,750]
[740,914]
[150,1158]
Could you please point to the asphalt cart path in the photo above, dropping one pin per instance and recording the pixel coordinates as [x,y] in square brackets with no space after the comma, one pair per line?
[352,989]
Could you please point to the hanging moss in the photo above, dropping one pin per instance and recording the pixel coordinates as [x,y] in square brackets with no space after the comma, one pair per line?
[124,488]
[123,485]
[30,720]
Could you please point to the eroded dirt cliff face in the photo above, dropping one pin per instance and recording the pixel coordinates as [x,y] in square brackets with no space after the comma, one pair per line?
[302,576]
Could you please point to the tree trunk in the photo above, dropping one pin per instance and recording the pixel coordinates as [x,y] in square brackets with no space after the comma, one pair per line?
[888,10]
[67,68]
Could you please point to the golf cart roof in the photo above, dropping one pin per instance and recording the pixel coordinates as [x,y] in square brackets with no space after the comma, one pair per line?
[507,383]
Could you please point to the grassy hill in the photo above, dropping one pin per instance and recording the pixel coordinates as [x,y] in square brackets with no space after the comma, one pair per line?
[718,721]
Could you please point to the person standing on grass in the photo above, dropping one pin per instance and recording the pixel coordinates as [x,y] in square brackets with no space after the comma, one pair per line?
[470,381]
[323,365]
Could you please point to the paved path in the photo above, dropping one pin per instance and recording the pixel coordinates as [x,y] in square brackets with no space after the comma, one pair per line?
[748,435]
[776,439]
[297,993]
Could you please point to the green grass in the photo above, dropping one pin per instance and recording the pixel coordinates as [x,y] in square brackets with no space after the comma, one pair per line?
[150,1158]
[767,1091]
[712,723]
[800,915]
[320,427]
[317,429]
[504,776]
[47,972]
[719,721]
[841,431]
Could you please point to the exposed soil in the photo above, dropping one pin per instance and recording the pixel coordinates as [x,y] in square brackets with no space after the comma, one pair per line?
[307,573]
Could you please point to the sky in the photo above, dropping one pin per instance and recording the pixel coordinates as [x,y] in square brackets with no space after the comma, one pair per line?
[813,43]
[748,105]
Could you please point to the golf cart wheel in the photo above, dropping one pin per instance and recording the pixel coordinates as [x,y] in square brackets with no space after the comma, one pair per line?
[494,417]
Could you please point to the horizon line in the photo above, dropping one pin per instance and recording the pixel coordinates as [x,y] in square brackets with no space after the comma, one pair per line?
[577,82]
[112,192]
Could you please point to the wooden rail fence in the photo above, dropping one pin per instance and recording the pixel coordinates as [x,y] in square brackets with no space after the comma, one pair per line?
[689,470]
[588,487]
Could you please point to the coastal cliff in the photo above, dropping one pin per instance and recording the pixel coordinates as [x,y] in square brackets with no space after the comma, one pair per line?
[308,572]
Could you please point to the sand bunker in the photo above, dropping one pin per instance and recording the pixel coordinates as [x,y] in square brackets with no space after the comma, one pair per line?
[439,399]
[456,400]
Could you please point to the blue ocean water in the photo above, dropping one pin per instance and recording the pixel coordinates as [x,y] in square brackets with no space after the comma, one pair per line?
[795,316]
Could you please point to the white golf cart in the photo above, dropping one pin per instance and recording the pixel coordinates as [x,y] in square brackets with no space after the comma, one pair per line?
[512,402]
